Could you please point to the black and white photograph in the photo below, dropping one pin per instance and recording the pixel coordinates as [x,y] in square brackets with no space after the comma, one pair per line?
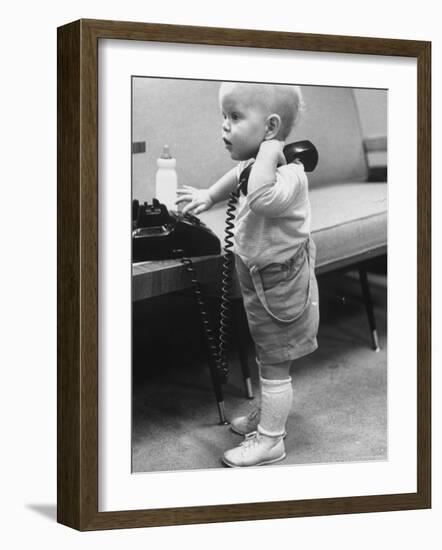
[259,274]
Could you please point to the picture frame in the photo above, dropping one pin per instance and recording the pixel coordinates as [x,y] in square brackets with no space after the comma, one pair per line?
[78,274]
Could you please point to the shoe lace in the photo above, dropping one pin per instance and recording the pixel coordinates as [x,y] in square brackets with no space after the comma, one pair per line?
[250,439]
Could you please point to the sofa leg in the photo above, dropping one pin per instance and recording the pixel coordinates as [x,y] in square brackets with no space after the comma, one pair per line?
[369,307]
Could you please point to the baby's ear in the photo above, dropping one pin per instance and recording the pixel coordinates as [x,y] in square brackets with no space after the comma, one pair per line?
[273,126]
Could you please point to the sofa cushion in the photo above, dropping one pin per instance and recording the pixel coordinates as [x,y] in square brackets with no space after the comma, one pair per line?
[349,222]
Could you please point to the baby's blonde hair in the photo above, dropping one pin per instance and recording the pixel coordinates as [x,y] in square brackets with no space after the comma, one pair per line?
[282,99]
[288,104]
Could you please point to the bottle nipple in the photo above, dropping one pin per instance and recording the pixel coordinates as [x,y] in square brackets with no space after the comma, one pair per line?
[166,153]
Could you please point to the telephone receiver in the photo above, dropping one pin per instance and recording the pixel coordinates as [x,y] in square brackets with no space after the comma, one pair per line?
[302,151]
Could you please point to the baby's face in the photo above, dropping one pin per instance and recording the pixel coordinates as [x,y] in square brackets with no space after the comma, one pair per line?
[244,120]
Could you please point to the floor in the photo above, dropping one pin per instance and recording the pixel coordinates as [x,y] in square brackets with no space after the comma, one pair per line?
[339,411]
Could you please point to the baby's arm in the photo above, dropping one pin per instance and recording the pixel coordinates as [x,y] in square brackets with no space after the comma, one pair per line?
[199,200]
[269,157]
[273,188]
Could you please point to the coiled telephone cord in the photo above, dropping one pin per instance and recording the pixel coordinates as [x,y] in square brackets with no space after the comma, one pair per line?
[226,284]
[218,350]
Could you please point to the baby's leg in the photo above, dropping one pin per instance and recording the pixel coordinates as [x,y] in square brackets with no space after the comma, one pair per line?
[267,372]
[275,371]
[276,398]
[266,445]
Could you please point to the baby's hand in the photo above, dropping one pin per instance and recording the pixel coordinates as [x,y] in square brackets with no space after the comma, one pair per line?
[198,200]
[273,148]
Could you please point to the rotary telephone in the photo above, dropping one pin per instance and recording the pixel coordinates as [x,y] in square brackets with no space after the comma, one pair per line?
[157,234]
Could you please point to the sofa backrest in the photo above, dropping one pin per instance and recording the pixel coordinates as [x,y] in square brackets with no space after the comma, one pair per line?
[331,121]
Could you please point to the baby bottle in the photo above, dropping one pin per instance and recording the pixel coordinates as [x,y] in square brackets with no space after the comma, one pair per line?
[166,179]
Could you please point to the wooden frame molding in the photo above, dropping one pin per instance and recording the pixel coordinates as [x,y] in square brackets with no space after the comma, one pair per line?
[77,224]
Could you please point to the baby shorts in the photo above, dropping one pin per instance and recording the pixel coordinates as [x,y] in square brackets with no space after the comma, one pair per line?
[282,305]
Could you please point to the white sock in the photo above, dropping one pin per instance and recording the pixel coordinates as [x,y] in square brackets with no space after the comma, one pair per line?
[276,402]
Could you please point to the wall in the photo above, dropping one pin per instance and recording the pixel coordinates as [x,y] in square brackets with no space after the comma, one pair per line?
[184,114]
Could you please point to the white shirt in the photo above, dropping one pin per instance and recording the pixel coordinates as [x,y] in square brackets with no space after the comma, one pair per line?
[274,219]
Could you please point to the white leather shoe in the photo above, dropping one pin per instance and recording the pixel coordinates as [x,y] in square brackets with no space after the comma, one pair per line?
[244,425]
[255,450]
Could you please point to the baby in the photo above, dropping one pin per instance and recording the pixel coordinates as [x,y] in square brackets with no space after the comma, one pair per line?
[274,254]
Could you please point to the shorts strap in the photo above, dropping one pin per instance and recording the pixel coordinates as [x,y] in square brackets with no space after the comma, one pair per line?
[259,289]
